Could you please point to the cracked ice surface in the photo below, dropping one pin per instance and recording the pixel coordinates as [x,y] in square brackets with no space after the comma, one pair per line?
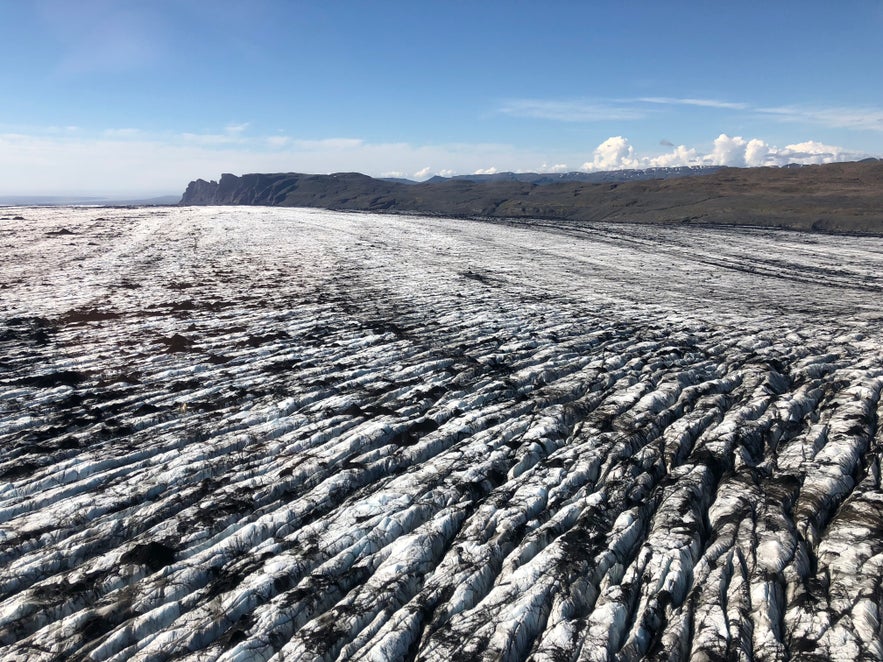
[254,433]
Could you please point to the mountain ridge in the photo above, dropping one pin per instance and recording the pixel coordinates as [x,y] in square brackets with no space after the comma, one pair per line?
[837,197]
[664,172]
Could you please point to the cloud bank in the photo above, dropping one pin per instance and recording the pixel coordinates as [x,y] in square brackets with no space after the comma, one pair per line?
[616,153]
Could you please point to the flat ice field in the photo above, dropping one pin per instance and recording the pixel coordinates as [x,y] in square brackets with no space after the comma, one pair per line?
[261,433]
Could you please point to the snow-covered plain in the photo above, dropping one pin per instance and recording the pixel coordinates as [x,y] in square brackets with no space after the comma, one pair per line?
[262,433]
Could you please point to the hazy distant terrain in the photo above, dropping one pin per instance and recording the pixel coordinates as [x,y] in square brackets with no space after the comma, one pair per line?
[250,433]
[839,197]
[47,200]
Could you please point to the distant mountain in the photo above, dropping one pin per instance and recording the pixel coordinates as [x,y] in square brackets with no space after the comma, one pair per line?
[398,180]
[159,200]
[844,197]
[540,178]
[591,177]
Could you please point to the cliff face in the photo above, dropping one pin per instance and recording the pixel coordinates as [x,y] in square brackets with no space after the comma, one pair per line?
[253,189]
[201,192]
[846,197]
[339,191]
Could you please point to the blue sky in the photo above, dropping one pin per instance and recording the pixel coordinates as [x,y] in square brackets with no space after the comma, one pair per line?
[139,97]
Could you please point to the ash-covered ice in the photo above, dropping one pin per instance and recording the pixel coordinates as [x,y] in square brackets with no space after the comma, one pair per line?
[264,433]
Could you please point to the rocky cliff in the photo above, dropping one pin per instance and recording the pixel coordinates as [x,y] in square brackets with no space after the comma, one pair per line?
[201,192]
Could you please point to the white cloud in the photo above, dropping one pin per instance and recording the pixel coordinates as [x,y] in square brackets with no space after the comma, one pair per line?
[486,171]
[423,173]
[756,152]
[815,152]
[278,141]
[739,152]
[679,156]
[702,103]
[728,151]
[572,111]
[558,167]
[615,153]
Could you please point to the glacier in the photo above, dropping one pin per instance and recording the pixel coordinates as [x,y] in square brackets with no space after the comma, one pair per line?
[249,433]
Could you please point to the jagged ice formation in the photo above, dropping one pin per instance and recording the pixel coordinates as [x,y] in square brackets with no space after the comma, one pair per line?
[254,434]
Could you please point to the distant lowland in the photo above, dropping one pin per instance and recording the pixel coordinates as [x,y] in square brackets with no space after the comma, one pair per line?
[836,197]
[66,200]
